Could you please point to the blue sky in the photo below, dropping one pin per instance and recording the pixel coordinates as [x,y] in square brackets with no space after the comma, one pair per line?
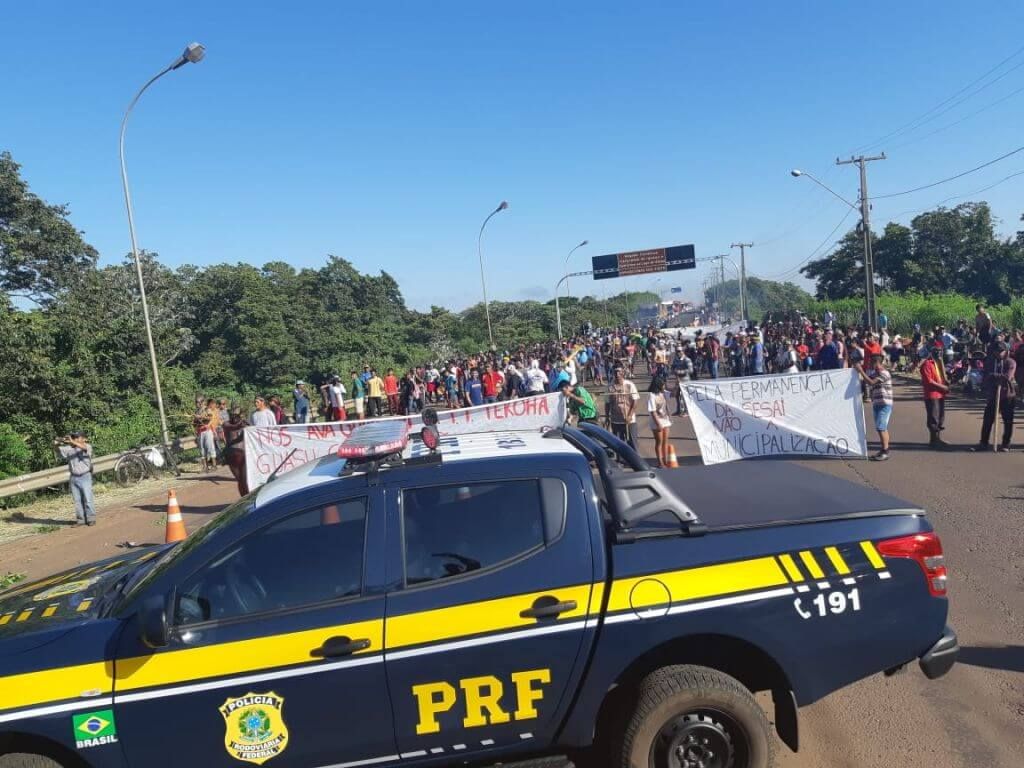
[385,132]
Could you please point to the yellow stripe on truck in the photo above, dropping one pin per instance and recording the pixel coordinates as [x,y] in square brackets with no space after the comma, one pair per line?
[791,570]
[479,618]
[872,554]
[702,582]
[30,688]
[812,565]
[232,658]
[837,561]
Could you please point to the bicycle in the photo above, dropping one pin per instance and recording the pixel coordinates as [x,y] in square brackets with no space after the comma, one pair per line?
[148,461]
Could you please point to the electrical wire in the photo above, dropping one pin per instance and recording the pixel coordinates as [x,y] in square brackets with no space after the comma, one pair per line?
[951,178]
[962,119]
[791,272]
[928,116]
[958,197]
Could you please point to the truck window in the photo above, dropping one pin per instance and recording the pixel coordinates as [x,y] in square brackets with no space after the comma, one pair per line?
[310,557]
[455,529]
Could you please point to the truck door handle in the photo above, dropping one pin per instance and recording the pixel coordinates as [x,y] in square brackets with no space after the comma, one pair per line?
[339,646]
[547,606]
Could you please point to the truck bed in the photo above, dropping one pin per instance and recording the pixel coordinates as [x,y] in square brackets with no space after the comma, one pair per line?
[772,493]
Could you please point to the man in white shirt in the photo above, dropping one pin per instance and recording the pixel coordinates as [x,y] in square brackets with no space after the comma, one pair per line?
[335,398]
[536,379]
[262,416]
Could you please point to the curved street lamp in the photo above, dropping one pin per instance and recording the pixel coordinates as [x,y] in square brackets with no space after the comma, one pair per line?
[193,53]
[483,281]
[568,293]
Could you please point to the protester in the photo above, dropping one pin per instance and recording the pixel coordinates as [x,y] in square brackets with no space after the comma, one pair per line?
[234,451]
[301,398]
[682,369]
[359,394]
[262,416]
[620,407]
[879,381]
[205,437]
[1001,395]
[983,324]
[788,358]
[76,450]
[375,395]
[579,402]
[334,393]
[657,410]
[536,381]
[934,390]
[474,389]
[391,391]
[493,383]
[275,406]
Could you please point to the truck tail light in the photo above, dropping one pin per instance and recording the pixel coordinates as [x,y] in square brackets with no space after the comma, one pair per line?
[926,549]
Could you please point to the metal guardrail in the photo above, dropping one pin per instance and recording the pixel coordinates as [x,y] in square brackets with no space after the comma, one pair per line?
[51,478]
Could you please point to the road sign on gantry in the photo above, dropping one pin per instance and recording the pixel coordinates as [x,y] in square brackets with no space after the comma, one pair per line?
[644,262]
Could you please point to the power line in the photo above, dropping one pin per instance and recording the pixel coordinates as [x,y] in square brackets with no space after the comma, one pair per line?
[792,271]
[962,119]
[957,197]
[923,118]
[951,178]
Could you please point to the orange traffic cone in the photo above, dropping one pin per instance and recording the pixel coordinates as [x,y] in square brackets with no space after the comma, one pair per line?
[673,462]
[175,525]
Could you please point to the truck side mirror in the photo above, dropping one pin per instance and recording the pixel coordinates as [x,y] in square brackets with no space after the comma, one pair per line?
[153,626]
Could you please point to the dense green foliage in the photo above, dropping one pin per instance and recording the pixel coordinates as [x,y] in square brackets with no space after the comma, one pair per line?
[948,250]
[74,350]
[762,296]
[75,357]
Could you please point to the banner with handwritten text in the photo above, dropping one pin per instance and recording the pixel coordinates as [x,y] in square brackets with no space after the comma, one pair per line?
[289,445]
[818,413]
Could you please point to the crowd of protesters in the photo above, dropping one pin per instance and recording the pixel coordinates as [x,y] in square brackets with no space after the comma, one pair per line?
[972,354]
[976,356]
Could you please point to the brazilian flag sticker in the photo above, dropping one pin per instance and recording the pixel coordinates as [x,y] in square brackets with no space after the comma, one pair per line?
[94,729]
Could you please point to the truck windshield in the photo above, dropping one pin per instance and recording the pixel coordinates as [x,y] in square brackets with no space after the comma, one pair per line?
[229,514]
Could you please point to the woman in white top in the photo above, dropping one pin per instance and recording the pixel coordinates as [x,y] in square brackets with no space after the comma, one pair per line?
[787,359]
[661,422]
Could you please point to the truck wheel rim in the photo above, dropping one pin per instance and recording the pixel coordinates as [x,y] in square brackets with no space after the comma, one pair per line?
[703,739]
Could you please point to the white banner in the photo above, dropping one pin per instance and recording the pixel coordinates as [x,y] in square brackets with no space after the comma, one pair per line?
[267,447]
[818,413]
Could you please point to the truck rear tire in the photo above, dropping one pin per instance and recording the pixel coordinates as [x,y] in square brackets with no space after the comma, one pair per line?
[696,717]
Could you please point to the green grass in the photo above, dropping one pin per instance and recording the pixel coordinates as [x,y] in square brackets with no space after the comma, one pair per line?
[10,579]
[46,528]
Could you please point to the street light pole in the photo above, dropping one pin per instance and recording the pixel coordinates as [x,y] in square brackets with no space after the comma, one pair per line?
[193,53]
[558,286]
[483,281]
[585,242]
[864,207]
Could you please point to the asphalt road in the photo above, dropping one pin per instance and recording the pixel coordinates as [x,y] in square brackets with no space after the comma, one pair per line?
[974,716]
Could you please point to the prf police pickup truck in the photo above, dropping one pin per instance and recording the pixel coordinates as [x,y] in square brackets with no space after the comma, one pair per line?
[512,597]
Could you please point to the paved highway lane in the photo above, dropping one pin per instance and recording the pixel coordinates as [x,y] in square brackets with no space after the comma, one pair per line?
[972,717]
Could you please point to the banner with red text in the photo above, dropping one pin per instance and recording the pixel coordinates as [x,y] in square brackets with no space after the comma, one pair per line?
[267,447]
[818,413]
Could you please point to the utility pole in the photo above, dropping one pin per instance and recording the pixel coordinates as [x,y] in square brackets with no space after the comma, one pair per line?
[865,223]
[743,278]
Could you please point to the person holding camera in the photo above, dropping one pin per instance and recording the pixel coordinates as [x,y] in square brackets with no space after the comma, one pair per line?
[77,452]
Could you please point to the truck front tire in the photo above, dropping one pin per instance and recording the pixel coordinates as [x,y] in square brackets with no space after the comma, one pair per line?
[696,717]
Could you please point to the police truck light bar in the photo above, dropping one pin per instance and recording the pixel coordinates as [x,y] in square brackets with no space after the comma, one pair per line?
[375,440]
